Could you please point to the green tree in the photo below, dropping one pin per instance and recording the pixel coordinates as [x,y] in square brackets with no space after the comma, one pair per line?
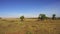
[53,16]
[22,18]
[42,16]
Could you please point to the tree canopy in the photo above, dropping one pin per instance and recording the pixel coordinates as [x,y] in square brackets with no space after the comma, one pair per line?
[22,17]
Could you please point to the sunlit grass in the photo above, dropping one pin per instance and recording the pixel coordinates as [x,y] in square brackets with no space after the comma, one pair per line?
[29,26]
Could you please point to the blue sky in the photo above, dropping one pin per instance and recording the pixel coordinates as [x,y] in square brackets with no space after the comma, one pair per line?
[29,8]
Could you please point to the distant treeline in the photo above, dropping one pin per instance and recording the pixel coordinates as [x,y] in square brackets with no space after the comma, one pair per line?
[47,18]
[40,17]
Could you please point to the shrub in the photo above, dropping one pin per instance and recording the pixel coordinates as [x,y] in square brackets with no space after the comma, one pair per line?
[22,17]
[53,16]
[28,32]
[42,16]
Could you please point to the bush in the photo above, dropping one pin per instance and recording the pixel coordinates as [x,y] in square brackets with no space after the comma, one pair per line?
[42,16]
[53,16]
[22,17]
[28,32]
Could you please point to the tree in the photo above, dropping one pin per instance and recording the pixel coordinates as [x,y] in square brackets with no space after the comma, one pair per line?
[22,17]
[53,16]
[42,16]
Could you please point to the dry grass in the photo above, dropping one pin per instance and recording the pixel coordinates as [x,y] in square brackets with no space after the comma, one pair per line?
[29,26]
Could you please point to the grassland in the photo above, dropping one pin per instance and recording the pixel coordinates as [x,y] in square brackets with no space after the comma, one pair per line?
[29,26]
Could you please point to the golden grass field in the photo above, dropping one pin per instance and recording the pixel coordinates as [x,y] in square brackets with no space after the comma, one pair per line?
[29,26]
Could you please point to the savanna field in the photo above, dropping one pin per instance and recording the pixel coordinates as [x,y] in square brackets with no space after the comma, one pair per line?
[29,26]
